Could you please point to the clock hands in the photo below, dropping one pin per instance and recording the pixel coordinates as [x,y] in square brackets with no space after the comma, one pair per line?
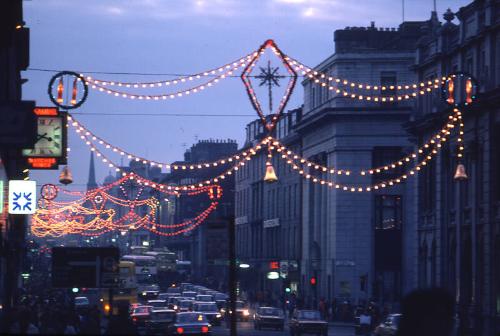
[43,136]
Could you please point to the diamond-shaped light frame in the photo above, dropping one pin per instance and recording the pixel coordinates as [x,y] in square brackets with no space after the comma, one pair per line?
[269,124]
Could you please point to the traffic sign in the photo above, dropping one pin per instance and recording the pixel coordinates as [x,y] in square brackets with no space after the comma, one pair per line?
[22,197]
[89,267]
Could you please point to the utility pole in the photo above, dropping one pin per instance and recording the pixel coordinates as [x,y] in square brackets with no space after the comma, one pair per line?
[232,275]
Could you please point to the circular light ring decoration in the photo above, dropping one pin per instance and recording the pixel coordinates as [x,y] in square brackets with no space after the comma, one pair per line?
[58,99]
[49,191]
[460,89]
[98,199]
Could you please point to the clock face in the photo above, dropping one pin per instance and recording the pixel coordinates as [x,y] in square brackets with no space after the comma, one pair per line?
[49,140]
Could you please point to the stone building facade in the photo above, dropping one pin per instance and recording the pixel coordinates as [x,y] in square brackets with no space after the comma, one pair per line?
[268,216]
[360,246]
[459,222]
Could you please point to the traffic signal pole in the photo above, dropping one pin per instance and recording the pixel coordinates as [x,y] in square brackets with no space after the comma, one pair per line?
[232,275]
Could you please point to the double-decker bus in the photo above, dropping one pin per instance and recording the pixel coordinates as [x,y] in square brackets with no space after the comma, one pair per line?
[145,268]
[127,291]
[165,261]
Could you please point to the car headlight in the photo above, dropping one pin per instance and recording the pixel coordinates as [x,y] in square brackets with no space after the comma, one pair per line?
[222,310]
[175,307]
[218,315]
[144,293]
[246,312]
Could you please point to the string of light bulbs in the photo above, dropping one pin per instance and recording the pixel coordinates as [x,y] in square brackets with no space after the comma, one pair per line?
[377,170]
[91,136]
[171,81]
[310,73]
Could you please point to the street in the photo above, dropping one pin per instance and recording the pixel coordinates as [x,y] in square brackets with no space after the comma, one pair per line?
[246,328]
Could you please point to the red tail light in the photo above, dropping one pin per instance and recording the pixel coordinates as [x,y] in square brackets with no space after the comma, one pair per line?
[134,319]
[180,330]
[204,329]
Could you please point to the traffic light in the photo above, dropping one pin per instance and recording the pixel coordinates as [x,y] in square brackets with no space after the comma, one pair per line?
[286,286]
[313,281]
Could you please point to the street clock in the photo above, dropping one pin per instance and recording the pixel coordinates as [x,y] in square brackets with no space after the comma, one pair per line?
[49,150]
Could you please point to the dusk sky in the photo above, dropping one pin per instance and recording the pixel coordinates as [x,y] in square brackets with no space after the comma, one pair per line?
[182,37]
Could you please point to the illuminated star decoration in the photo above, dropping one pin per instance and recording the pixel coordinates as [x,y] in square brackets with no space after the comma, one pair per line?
[270,77]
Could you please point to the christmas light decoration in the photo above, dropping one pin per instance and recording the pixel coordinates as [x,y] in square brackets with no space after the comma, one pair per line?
[101,86]
[91,137]
[246,78]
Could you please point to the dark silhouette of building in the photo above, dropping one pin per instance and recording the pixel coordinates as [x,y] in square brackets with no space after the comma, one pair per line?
[458,221]
[205,246]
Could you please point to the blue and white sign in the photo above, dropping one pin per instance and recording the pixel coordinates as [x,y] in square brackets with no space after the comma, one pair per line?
[22,197]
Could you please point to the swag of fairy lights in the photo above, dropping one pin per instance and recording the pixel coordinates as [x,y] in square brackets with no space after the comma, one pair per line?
[96,211]
[89,215]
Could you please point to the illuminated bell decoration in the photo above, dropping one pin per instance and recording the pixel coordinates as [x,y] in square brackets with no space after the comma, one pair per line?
[460,174]
[66,177]
[270,176]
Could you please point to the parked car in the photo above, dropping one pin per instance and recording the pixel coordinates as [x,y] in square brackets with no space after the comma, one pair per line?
[159,320]
[140,315]
[269,317]
[307,322]
[389,326]
[210,310]
[189,324]
[204,298]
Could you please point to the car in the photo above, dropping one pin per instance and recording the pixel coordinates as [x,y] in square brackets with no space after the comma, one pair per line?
[133,306]
[221,304]
[157,304]
[159,320]
[389,326]
[210,310]
[269,317]
[149,295]
[189,324]
[307,322]
[186,286]
[204,298]
[174,290]
[221,296]
[242,311]
[82,302]
[184,305]
[140,315]
[172,302]
[189,294]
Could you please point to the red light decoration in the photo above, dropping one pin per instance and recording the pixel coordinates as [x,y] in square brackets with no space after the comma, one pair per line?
[42,162]
[245,77]
[46,111]
[468,91]
[96,211]
[60,89]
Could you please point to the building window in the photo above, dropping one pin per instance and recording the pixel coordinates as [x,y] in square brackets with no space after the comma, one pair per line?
[383,156]
[388,80]
[388,212]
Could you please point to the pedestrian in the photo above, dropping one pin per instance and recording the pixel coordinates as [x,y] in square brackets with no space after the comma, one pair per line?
[428,312]
[121,324]
[365,321]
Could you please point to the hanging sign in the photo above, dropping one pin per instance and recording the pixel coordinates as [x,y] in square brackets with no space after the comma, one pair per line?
[22,197]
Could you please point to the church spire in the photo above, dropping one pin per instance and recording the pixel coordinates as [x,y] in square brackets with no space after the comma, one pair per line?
[91,183]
